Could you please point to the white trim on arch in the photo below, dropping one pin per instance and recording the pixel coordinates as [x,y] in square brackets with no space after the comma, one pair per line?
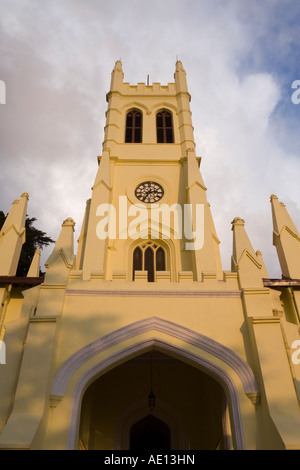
[99,369]
[73,363]
[187,335]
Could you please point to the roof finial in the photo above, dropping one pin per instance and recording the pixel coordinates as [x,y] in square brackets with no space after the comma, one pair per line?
[117,76]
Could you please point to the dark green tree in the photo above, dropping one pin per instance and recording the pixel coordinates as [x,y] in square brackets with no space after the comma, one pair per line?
[35,239]
[2,219]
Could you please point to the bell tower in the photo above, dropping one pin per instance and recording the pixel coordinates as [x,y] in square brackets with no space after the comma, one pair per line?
[140,338]
[149,187]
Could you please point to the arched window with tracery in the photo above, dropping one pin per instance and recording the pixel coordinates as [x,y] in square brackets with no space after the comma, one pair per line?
[150,257]
[164,127]
[133,132]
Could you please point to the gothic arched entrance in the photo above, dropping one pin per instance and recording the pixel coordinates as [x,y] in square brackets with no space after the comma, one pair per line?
[222,364]
[150,434]
[154,402]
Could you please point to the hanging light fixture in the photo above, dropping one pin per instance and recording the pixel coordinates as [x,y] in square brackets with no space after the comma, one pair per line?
[151,400]
[151,396]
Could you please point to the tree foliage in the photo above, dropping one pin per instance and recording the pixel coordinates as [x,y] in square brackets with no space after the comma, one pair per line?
[2,219]
[35,239]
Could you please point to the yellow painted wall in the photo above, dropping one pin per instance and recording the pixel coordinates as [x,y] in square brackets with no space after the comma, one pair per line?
[91,300]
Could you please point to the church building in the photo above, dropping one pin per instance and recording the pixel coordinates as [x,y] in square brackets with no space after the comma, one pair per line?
[137,339]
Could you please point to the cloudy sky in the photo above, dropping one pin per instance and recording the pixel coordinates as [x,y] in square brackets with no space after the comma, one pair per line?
[241,58]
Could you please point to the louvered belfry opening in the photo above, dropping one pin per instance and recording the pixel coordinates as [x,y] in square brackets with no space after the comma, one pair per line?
[164,128]
[133,127]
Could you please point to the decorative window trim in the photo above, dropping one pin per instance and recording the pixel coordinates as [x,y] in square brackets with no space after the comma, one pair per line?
[154,246]
[166,244]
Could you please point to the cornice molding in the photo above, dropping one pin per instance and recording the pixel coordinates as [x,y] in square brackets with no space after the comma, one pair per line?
[154,293]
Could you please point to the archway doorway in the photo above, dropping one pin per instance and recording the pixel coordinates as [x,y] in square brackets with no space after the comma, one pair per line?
[189,411]
[150,434]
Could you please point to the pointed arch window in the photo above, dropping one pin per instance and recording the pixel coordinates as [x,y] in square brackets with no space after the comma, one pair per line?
[149,257]
[133,132]
[164,127]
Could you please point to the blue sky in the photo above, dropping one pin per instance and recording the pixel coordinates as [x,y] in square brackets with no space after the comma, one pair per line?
[240,56]
[276,50]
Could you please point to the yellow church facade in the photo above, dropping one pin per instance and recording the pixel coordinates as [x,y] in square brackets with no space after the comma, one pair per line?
[138,339]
